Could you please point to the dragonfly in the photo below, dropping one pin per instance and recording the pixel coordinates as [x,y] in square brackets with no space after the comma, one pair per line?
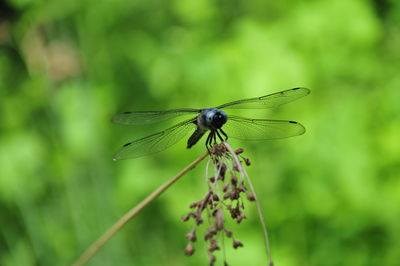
[212,121]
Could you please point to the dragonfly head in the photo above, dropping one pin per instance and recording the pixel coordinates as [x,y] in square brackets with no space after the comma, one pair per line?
[213,118]
[219,119]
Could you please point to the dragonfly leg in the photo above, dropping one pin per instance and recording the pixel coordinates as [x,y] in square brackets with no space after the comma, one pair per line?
[219,135]
[223,133]
[215,136]
[209,137]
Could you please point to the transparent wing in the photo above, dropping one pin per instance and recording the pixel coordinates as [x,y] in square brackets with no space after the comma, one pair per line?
[268,101]
[261,129]
[150,117]
[156,142]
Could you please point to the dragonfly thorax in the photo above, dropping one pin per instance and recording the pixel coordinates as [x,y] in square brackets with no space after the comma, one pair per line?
[212,118]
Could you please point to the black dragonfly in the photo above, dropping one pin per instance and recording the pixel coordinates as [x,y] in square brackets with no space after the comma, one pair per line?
[213,121]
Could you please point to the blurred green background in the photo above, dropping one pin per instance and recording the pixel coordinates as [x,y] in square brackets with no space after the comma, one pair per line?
[331,196]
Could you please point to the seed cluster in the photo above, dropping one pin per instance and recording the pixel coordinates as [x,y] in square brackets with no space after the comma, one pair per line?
[225,194]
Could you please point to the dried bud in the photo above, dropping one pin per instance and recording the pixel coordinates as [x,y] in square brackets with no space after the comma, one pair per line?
[228,233]
[227,195]
[191,236]
[235,212]
[215,197]
[213,245]
[225,188]
[235,195]
[251,196]
[199,220]
[186,217]
[210,233]
[223,170]
[235,167]
[212,179]
[210,202]
[242,187]
[212,259]
[239,151]
[189,250]
[192,214]
[219,219]
[234,180]
[240,218]
[237,243]
[194,205]
[247,161]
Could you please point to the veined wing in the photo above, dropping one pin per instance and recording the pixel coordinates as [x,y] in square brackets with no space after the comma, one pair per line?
[261,129]
[156,142]
[150,117]
[268,101]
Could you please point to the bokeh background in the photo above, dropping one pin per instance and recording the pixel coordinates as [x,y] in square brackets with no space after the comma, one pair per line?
[330,197]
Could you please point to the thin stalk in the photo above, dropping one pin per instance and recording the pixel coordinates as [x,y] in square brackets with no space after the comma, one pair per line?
[94,248]
[260,214]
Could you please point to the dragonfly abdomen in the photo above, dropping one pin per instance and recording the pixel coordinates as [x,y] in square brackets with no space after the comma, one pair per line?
[194,138]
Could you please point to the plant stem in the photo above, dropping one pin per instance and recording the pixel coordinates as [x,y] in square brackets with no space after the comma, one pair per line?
[94,248]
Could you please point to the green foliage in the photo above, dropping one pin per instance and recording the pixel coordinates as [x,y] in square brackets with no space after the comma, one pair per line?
[330,197]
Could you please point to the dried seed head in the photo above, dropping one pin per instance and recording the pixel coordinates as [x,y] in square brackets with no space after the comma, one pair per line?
[189,250]
[224,191]
[219,150]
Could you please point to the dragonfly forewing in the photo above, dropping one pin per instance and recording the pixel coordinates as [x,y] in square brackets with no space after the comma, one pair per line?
[268,101]
[150,117]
